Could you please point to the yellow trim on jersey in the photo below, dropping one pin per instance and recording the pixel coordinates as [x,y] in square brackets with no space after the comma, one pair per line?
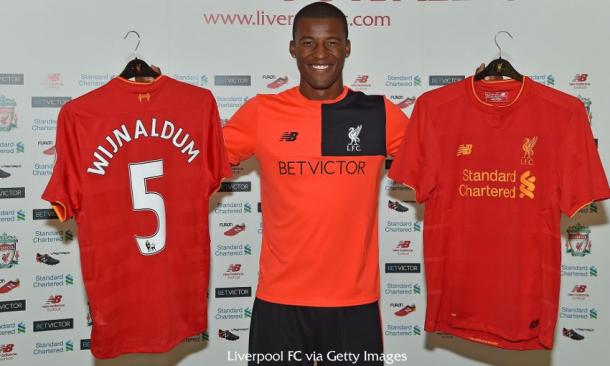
[580,208]
[60,210]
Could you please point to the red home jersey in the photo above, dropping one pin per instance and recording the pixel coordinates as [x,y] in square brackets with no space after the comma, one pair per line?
[320,164]
[135,165]
[496,163]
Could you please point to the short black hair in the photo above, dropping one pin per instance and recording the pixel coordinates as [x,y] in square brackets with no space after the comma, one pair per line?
[319,10]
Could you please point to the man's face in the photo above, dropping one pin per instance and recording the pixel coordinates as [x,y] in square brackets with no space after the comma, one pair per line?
[320,48]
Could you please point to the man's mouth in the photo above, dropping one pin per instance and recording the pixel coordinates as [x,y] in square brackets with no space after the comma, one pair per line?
[320,66]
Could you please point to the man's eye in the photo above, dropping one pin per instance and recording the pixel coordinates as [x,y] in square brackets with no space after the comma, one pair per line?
[307,43]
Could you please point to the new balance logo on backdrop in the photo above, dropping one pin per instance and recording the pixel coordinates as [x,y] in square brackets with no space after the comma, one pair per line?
[54,299]
[234,268]
[580,81]
[581,77]
[361,79]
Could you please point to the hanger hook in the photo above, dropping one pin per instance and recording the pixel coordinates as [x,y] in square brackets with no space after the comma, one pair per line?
[135,51]
[496,40]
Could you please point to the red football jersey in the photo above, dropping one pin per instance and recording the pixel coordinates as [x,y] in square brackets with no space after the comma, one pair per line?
[496,163]
[136,163]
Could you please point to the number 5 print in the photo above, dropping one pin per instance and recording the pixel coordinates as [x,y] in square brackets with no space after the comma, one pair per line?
[142,200]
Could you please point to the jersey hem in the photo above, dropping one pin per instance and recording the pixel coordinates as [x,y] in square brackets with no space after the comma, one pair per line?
[276,300]
[417,198]
[166,347]
[497,341]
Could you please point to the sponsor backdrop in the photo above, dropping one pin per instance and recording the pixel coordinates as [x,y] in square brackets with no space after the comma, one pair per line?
[53,51]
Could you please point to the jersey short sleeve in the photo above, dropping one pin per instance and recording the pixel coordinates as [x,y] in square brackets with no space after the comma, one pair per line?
[417,163]
[582,179]
[396,125]
[64,188]
[217,161]
[240,132]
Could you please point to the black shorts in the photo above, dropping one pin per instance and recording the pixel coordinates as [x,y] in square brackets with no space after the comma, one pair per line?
[298,335]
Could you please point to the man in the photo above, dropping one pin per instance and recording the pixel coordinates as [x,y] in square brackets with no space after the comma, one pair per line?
[321,149]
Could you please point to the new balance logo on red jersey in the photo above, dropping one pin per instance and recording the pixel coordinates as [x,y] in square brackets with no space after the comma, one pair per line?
[289,136]
[464,149]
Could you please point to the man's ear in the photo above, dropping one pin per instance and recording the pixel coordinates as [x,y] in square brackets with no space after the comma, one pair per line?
[292,48]
[348,48]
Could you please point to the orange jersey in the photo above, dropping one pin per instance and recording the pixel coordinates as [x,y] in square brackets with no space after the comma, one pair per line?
[320,165]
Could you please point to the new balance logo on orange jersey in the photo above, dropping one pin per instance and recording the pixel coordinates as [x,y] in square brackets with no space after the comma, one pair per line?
[289,136]
[464,149]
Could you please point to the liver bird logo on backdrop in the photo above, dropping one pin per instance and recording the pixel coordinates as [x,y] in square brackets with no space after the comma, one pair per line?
[353,134]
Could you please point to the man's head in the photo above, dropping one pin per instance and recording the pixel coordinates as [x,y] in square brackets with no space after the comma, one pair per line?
[319,10]
[320,46]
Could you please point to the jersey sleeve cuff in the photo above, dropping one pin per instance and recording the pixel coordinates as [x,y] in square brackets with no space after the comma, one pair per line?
[579,206]
[61,210]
